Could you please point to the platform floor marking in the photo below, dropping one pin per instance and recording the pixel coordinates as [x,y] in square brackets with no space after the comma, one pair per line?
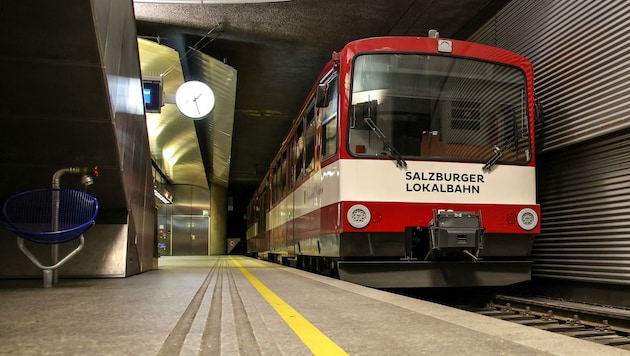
[312,337]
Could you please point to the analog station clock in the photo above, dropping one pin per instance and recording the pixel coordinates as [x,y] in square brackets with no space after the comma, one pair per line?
[194,99]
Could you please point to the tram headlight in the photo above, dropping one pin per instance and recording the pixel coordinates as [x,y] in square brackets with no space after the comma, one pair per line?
[527,219]
[359,216]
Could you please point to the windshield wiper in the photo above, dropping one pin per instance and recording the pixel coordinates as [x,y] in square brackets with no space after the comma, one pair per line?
[392,152]
[497,154]
[498,150]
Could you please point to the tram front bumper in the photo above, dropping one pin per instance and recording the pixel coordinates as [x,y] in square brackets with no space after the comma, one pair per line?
[421,274]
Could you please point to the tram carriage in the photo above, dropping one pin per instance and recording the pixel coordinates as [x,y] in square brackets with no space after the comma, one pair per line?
[411,164]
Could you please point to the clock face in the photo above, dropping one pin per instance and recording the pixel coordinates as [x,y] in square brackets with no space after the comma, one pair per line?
[194,99]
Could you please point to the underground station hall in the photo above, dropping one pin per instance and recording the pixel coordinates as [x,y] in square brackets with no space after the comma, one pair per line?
[315,177]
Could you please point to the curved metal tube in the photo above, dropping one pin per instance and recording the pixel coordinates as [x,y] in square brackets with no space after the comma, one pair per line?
[56,179]
[57,176]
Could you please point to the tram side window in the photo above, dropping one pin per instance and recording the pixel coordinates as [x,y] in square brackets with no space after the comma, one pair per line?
[280,179]
[330,106]
[309,143]
[276,183]
[329,136]
[264,207]
[329,122]
[298,153]
[283,175]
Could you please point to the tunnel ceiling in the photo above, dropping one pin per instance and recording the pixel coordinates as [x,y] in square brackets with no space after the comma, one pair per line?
[279,48]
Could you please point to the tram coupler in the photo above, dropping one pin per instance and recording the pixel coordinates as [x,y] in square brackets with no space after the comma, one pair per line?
[457,232]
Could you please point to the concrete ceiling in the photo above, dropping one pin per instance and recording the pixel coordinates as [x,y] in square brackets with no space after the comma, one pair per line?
[279,48]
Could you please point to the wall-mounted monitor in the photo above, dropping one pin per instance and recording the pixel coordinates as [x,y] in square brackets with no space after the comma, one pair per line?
[152,93]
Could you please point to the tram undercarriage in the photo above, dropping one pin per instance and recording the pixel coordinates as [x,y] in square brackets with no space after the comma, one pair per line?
[420,274]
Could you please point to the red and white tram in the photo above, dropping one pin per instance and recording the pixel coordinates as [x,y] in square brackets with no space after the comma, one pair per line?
[411,164]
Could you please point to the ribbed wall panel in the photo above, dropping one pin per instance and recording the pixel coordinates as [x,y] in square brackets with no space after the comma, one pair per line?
[580,54]
[585,198]
[218,126]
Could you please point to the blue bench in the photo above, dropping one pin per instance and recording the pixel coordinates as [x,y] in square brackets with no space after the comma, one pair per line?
[49,216]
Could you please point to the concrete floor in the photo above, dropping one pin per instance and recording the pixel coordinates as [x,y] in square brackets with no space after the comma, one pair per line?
[210,306]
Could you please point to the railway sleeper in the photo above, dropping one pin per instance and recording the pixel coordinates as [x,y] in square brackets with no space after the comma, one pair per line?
[493,312]
[561,328]
[610,340]
[478,310]
[514,317]
[588,333]
[537,322]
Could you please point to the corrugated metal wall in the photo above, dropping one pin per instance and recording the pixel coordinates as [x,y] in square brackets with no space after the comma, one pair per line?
[585,199]
[580,54]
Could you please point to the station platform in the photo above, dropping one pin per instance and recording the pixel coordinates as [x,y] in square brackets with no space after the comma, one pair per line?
[235,305]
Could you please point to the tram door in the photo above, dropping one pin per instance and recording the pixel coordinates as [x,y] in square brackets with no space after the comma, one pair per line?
[189,235]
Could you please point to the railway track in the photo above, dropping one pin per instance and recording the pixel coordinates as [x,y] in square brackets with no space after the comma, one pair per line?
[601,324]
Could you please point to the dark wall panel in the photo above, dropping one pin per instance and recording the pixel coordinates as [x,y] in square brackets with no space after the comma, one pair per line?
[579,51]
[585,197]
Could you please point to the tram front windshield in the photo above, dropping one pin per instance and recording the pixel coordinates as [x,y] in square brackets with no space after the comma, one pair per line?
[438,107]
